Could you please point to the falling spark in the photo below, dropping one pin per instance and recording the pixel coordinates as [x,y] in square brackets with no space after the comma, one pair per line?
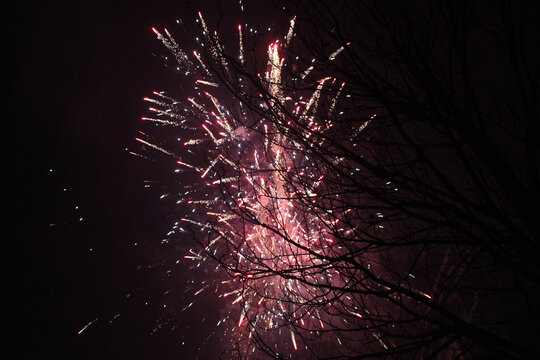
[86,326]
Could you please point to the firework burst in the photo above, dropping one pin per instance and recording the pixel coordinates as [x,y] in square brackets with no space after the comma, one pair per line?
[260,199]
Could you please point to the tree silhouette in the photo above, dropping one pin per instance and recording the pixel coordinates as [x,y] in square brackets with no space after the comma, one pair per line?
[371,181]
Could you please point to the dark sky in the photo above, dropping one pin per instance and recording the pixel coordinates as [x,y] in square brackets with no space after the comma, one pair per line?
[75,198]
[78,73]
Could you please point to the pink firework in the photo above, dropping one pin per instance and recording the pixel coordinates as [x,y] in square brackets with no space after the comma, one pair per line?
[287,242]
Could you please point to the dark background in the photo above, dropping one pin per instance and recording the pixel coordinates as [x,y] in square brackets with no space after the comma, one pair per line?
[82,239]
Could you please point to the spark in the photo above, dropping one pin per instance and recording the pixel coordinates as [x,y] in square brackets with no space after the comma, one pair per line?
[87,325]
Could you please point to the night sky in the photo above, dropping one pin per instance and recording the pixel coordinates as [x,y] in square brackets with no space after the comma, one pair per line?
[77,204]
[85,258]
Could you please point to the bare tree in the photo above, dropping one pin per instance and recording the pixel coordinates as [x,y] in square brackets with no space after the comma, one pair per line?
[369,181]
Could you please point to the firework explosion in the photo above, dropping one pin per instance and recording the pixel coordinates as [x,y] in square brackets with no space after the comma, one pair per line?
[261,202]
